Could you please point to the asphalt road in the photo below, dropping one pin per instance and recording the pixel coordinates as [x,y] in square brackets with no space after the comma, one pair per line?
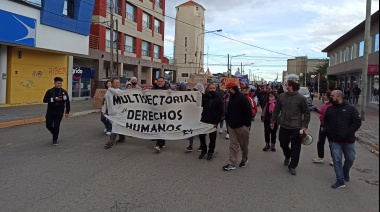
[80,175]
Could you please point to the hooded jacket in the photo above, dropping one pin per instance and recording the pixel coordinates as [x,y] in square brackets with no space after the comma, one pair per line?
[295,113]
[341,123]
[239,111]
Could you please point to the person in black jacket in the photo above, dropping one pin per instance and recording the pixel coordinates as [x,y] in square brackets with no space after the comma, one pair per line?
[342,120]
[239,115]
[56,98]
[212,114]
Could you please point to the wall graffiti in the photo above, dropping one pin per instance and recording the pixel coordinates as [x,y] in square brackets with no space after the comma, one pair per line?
[57,71]
[37,73]
[28,84]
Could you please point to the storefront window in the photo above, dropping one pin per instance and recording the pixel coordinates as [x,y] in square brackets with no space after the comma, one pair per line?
[82,81]
[375,89]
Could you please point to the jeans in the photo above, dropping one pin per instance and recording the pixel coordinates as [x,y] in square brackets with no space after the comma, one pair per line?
[106,123]
[211,147]
[221,124]
[270,135]
[321,142]
[191,141]
[160,143]
[355,100]
[348,150]
[292,136]
[53,123]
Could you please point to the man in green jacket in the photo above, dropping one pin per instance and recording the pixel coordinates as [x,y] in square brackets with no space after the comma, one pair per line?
[294,121]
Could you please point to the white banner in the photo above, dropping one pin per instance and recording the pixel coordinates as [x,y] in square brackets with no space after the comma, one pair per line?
[156,114]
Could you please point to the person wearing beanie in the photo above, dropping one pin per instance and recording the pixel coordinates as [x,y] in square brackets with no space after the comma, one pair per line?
[239,115]
[134,83]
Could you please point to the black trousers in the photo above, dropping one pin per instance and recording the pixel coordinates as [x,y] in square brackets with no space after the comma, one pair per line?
[53,123]
[270,135]
[160,143]
[211,147]
[321,142]
[291,136]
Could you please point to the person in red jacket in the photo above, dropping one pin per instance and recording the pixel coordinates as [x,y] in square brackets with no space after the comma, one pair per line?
[322,131]
[252,102]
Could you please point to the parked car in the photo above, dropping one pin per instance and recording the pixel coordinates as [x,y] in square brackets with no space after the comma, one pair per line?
[305,92]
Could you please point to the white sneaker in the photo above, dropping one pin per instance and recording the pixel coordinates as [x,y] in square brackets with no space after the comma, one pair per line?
[108,133]
[228,136]
[331,163]
[105,130]
[157,148]
[318,160]
[221,131]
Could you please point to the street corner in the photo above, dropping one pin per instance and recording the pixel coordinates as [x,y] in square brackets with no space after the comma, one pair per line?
[21,122]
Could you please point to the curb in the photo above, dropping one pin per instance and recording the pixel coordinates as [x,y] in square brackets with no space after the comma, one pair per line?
[41,119]
[374,146]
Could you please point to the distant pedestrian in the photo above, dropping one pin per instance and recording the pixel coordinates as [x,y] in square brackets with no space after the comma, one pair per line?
[106,122]
[342,120]
[322,130]
[56,98]
[113,136]
[347,94]
[270,134]
[212,114]
[295,118]
[356,93]
[239,121]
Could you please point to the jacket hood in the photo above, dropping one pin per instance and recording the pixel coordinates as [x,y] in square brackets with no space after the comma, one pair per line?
[182,85]
[200,87]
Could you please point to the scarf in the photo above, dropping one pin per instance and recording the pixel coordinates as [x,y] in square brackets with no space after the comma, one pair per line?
[272,104]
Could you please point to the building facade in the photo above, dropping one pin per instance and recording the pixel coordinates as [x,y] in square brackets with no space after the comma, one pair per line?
[346,59]
[138,45]
[189,39]
[302,65]
[36,41]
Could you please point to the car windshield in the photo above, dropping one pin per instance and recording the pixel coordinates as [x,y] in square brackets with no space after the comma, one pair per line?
[304,91]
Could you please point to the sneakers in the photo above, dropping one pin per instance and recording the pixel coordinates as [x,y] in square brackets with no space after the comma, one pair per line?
[331,163]
[286,162]
[189,149]
[318,160]
[199,149]
[210,156]
[228,136]
[292,171]
[243,164]
[108,145]
[338,185]
[228,167]
[202,156]
[266,148]
[273,147]
[221,131]
[108,133]
[55,143]
[157,148]
[105,130]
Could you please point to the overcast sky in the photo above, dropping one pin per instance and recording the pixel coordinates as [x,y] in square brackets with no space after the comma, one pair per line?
[291,27]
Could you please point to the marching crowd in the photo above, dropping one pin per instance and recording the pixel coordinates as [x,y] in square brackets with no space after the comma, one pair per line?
[283,109]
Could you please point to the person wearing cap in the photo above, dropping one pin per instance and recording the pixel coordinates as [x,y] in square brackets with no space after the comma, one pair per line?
[294,121]
[134,83]
[239,114]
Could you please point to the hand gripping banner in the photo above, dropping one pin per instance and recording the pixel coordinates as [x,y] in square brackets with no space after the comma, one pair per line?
[156,114]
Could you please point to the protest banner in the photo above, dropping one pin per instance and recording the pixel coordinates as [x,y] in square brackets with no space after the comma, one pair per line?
[243,79]
[197,78]
[225,81]
[156,114]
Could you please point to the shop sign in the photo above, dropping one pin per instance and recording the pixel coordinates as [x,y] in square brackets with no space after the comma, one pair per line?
[373,70]
[82,72]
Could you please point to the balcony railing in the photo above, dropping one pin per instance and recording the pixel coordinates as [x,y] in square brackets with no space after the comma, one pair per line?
[158,3]
[131,17]
[145,53]
[93,42]
[116,9]
[157,55]
[108,44]
[157,29]
[146,24]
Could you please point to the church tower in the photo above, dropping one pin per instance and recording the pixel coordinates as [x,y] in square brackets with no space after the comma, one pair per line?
[189,40]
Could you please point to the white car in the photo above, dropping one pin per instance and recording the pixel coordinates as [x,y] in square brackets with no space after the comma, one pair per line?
[305,92]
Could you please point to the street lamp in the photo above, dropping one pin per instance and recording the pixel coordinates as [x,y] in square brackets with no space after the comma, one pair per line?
[196,54]
[231,63]
[250,75]
[242,67]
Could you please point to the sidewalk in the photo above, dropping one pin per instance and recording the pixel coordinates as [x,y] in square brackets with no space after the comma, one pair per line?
[369,131]
[26,114]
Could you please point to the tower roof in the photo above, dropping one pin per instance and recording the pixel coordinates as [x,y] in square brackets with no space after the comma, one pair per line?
[191,3]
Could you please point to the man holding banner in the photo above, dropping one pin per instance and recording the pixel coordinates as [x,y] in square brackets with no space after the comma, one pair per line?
[212,114]
[161,85]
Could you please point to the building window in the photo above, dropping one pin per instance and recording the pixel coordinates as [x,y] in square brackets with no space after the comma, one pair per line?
[116,6]
[157,26]
[344,55]
[185,58]
[157,51]
[361,48]
[37,3]
[332,61]
[185,41]
[351,52]
[68,8]
[158,3]
[184,75]
[130,12]
[376,43]
[108,39]
[129,44]
[145,49]
[146,20]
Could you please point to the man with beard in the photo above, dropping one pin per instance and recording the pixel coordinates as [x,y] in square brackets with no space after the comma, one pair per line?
[212,114]
[161,85]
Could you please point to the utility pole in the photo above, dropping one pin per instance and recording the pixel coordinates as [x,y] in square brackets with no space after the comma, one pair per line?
[241,67]
[228,66]
[111,45]
[367,46]
[117,48]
